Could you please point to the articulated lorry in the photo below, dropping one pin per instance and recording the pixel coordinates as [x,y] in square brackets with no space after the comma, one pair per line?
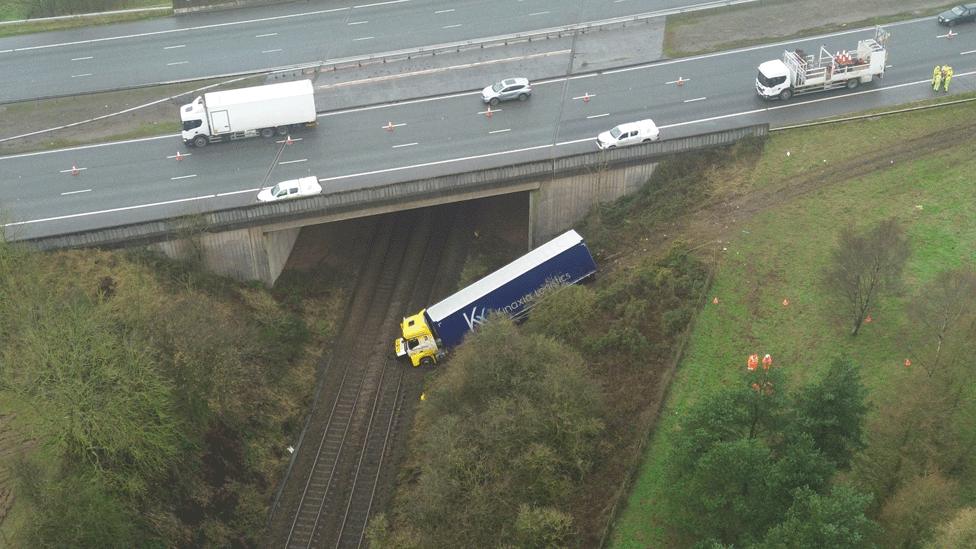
[562,261]
[799,73]
[274,109]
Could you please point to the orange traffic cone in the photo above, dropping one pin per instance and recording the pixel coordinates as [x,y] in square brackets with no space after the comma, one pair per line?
[680,81]
[74,169]
[488,113]
[586,97]
[288,140]
[389,126]
[179,156]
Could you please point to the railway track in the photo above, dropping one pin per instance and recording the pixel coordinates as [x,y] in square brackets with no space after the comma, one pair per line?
[341,464]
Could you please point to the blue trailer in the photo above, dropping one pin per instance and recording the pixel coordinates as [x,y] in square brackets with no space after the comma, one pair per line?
[562,261]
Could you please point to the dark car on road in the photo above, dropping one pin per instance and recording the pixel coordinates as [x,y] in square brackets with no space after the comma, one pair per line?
[965,13]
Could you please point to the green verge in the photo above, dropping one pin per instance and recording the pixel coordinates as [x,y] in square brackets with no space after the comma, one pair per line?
[675,23]
[779,254]
[15,11]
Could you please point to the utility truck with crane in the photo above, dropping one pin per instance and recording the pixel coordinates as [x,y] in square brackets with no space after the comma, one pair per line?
[798,73]
[511,290]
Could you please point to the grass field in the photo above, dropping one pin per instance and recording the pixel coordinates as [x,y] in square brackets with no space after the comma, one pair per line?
[14,10]
[792,209]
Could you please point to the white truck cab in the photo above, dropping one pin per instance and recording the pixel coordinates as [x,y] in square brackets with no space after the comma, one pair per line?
[194,118]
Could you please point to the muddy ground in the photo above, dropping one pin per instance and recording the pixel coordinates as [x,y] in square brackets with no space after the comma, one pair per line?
[688,34]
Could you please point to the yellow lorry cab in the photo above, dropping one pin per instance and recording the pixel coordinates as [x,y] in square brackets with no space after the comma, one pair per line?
[418,342]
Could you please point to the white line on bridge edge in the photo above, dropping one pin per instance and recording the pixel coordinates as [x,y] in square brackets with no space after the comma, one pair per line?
[76,192]
[112,210]
[379,4]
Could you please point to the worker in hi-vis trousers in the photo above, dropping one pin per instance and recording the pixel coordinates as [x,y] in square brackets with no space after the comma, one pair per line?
[946,78]
[937,78]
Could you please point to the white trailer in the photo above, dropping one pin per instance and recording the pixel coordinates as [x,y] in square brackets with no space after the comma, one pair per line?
[248,112]
[799,73]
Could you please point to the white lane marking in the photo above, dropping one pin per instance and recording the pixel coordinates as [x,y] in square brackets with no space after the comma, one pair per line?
[433,163]
[598,115]
[83,58]
[695,99]
[170,31]
[181,155]
[76,192]
[967,52]
[404,145]
[680,79]
[293,161]
[379,4]
[451,26]
[237,192]
[490,110]
[586,96]
[182,177]
[575,141]
[443,11]
[111,210]
[501,131]
[357,23]
[177,63]
[81,75]
[174,47]
[441,69]
[76,169]
[538,13]
[271,51]
[392,125]
[363,38]
[265,35]
[293,139]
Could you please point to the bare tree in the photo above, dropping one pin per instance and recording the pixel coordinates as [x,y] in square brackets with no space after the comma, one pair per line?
[942,321]
[865,264]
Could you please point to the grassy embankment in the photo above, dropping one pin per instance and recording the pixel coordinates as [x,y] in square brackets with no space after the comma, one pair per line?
[11,10]
[916,167]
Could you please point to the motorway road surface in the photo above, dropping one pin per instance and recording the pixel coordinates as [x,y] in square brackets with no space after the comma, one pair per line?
[140,180]
[177,48]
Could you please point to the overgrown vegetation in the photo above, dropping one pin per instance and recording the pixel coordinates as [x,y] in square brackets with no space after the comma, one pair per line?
[17,10]
[779,224]
[162,398]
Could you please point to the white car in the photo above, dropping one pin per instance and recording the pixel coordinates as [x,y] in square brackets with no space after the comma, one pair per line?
[292,188]
[631,133]
[506,90]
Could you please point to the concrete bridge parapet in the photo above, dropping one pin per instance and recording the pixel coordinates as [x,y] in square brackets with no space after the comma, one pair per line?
[253,242]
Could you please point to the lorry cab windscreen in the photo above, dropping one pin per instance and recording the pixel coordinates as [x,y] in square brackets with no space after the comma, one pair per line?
[191,124]
[770,82]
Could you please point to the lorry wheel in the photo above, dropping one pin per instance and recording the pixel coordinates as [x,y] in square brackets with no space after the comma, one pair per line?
[267,132]
[281,130]
[426,362]
[200,141]
[785,94]
[852,83]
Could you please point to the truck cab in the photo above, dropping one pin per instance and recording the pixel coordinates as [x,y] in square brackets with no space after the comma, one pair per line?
[195,128]
[418,342]
[773,79]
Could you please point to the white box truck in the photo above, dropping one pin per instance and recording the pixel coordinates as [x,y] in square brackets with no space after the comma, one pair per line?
[799,73]
[246,112]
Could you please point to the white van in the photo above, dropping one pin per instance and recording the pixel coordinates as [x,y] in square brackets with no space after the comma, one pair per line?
[631,133]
